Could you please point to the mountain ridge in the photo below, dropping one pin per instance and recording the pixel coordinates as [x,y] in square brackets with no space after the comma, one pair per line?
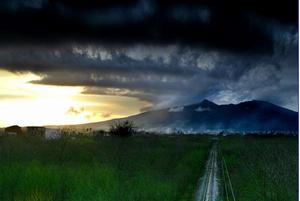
[207,116]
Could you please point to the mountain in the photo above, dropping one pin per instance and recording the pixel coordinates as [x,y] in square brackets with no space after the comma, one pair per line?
[206,116]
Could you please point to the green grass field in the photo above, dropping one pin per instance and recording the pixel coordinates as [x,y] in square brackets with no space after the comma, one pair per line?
[262,168]
[144,168]
[101,169]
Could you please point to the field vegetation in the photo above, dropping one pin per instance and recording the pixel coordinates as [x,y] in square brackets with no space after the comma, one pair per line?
[260,168]
[149,168]
[136,168]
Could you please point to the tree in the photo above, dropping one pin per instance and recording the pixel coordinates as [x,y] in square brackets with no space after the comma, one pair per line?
[122,128]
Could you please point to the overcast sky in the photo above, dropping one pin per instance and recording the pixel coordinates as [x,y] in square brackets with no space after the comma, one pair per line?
[161,52]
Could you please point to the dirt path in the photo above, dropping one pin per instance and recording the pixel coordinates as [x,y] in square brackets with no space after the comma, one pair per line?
[208,185]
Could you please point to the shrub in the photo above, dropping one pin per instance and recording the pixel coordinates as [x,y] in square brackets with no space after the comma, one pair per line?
[122,129]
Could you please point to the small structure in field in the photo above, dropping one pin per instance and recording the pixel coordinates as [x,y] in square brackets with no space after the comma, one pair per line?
[13,130]
[35,131]
[52,133]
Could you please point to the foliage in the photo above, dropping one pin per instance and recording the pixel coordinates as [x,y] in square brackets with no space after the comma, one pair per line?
[146,168]
[122,129]
[262,168]
[151,168]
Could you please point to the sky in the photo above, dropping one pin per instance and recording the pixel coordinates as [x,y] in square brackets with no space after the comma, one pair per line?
[70,62]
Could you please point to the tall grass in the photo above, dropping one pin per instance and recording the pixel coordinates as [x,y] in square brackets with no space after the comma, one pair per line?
[101,169]
[262,168]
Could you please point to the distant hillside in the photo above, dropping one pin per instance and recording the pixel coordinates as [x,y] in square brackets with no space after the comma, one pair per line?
[206,116]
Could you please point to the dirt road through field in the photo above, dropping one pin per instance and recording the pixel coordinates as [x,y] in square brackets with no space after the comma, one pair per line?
[208,185]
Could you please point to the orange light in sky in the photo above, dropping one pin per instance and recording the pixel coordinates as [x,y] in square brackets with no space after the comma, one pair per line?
[24,103]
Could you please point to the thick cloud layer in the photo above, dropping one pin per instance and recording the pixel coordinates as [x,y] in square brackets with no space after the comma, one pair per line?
[231,24]
[164,52]
[166,75]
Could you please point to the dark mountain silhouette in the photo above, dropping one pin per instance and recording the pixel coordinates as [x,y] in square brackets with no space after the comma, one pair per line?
[206,116]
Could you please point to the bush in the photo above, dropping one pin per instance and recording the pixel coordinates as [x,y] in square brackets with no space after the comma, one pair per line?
[123,129]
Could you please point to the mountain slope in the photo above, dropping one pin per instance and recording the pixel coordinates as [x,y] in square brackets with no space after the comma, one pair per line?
[208,116]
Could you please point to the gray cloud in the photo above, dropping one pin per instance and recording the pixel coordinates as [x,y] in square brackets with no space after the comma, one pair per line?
[74,111]
[16,5]
[191,13]
[167,75]
[233,26]
[94,115]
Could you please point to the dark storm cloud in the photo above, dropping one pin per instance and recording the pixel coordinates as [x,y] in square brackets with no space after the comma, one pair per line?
[167,75]
[75,59]
[164,52]
[211,24]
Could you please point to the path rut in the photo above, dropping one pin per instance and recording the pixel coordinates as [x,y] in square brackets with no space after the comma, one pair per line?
[208,184]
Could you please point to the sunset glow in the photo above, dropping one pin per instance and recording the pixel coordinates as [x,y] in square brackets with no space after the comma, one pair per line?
[24,103]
